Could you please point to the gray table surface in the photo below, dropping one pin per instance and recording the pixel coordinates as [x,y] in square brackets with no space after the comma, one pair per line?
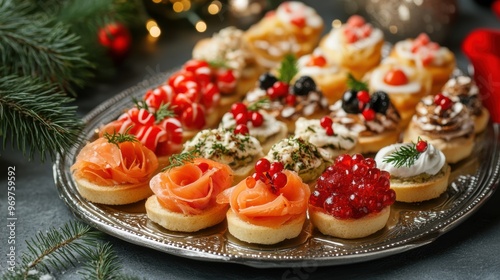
[470,251]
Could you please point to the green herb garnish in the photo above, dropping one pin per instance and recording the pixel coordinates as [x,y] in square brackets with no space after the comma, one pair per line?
[404,156]
[260,104]
[165,111]
[177,160]
[355,84]
[288,68]
[117,138]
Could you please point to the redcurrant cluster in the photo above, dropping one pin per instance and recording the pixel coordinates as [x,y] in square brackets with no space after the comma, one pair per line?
[443,101]
[269,173]
[364,99]
[242,115]
[327,123]
[353,187]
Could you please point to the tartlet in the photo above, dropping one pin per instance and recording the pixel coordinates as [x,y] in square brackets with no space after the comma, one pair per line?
[418,171]
[352,198]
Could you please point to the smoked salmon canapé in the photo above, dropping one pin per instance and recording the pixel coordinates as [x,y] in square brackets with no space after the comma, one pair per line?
[267,207]
[114,170]
[185,194]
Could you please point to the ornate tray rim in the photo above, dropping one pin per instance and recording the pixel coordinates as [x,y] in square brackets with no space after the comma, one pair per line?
[486,179]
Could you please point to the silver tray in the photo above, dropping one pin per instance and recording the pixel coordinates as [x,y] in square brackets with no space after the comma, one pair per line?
[472,182]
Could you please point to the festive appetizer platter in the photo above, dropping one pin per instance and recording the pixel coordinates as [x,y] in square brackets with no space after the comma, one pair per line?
[319,154]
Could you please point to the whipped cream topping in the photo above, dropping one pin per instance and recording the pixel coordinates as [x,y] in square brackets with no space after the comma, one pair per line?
[431,161]
[447,124]
[226,46]
[467,92]
[224,146]
[377,81]
[290,11]
[437,56]
[311,130]
[306,69]
[269,127]
[335,40]
[358,124]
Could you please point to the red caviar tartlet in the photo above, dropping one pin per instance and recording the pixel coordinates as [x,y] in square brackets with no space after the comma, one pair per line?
[352,198]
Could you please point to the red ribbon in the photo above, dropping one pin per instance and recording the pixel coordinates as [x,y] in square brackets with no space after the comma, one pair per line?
[482,47]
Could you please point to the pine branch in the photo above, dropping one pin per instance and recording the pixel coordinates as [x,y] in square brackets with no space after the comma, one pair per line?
[406,155]
[103,264]
[56,250]
[34,117]
[32,44]
[288,68]
[355,84]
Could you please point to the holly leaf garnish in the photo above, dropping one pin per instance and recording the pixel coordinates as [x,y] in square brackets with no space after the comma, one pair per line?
[355,84]
[288,68]
[259,104]
[117,138]
[406,155]
[177,160]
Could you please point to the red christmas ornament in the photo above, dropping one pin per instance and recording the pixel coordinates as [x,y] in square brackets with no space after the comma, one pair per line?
[116,38]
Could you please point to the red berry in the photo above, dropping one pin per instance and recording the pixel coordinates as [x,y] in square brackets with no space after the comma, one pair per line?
[421,146]
[241,118]
[262,165]
[226,80]
[325,122]
[279,89]
[446,103]
[291,99]
[363,96]
[241,129]
[203,166]
[257,119]
[437,98]
[237,108]
[396,77]
[368,114]
[275,167]
[329,131]
[279,180]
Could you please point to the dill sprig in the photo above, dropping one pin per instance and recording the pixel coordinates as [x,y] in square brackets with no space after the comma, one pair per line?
[177,160]
[117,138]
[406,155]
[260,104]
[165,111]
[288,68]
[355,84]
[218,64]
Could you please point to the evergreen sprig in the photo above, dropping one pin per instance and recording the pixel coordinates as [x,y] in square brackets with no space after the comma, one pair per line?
[33,44]
[177,160]
[259,104]
[36,117]
[355,84]
[406,155]
[58,249]
[288,68]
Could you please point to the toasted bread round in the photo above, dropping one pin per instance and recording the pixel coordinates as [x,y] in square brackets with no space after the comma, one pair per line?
[373,143]
[182,222]
[251,233]
[245,171]
[481,120]
[113,195]
[455,150]
[351,228]
[416,192]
